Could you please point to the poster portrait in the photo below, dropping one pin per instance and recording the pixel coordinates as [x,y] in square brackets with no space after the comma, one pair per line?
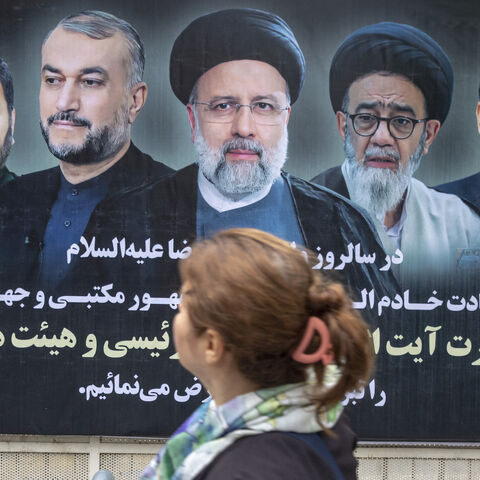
[94,354]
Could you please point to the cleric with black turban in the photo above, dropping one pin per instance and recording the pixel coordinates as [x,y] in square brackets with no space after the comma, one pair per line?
[399,49]
[235,34]
[391,89]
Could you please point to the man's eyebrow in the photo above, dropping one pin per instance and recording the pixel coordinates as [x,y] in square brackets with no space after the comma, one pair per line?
[49,68]
[268,96]
[227,98]
[397,107]
[99,70]
[84,71]
[231,98]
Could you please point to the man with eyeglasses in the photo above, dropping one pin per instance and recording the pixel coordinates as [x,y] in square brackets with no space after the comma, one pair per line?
[238,91]
[391,88]
[238,96]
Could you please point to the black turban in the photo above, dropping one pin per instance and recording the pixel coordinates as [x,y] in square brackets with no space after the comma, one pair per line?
[396,48]
[236,34]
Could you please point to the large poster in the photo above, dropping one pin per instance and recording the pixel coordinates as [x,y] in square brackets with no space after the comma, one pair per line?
[94,354]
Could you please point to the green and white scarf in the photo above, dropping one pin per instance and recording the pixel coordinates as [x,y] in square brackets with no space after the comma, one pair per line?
[211,429]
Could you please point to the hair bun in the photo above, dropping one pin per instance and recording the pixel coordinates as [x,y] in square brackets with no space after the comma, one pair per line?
[326,297]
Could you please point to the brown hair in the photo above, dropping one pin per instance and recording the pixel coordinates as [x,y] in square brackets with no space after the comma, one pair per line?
[258,293]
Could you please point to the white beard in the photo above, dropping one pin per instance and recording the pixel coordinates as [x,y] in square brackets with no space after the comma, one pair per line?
[237,179]
[379,190]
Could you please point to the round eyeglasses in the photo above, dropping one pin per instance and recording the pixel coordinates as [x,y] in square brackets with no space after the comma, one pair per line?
[400,127]
[264,113]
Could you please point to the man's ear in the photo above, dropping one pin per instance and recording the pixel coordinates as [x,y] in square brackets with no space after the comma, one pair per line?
[191,119]
[478,116]
[432,128]
[289,111]
[341,123]
[12,123]
[138,96]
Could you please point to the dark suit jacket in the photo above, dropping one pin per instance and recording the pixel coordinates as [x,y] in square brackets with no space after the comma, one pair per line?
[25,205]
[468,189]
[6,176]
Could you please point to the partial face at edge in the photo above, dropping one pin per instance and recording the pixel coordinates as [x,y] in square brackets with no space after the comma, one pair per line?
[242,156]
[84,109]
[7,122]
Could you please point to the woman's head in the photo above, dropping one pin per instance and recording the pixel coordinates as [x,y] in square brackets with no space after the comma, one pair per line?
[258,293]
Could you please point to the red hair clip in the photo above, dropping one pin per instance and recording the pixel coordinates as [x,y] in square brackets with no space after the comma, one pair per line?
[324,351]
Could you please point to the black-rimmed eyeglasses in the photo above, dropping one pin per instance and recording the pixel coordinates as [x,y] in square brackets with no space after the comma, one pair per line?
[400,127]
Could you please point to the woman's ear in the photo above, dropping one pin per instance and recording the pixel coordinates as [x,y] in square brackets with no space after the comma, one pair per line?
[214,347]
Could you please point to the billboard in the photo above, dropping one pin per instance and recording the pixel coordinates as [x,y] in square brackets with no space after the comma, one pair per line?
[93,354]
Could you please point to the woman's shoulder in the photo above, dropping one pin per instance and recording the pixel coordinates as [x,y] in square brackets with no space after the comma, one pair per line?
[277,456]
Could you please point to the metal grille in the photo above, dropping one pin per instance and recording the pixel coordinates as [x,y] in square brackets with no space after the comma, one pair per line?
[41,466]
[428,469]
[125,466]
[120,458]
[400,469]
[371,469]
[417,469]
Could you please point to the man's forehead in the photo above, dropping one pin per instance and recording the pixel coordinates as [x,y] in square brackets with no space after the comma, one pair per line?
[65,48]
[239,77]
[386,89]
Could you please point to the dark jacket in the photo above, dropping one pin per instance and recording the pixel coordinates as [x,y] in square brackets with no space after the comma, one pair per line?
[332,179]
[279,456]
[166,210]
[468,189]
[6,176]
[25,205]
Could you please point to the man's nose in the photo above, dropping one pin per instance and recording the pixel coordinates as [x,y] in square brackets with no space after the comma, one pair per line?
[382,136]
[243,123]
[68,98]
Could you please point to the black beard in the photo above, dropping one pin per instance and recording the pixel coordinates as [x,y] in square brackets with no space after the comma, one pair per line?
[96,148]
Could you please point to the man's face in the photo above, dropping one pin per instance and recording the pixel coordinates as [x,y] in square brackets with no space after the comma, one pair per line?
[381,166]
[84,110]
[242,156]
[7,120]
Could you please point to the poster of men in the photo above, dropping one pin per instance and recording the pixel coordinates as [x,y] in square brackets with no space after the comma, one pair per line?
[131,130]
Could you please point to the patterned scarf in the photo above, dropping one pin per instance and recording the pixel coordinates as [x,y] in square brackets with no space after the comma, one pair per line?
[211,429]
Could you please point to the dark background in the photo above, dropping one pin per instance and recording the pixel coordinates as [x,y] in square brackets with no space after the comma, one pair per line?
[320,26]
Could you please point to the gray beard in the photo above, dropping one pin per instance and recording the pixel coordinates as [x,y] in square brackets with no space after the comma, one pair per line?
[238,179]
[379,190]
[100,143]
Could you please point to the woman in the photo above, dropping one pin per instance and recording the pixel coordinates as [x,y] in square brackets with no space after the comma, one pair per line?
[264,333]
